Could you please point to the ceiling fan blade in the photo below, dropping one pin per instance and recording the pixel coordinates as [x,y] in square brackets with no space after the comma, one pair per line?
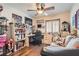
[31,10]
[50,8]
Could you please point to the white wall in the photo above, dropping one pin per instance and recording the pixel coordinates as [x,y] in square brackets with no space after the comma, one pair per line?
[73,12]
[74,8]
[8,10]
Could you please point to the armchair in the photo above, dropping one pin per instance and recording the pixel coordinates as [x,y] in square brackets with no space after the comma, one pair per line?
[37,38]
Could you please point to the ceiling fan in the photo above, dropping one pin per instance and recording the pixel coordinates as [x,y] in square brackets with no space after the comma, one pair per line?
[40,8]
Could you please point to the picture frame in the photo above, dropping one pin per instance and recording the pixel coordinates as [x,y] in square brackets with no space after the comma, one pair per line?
[28,21]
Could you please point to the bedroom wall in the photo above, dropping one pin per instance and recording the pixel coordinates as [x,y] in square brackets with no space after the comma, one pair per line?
[8,10]
[64,16]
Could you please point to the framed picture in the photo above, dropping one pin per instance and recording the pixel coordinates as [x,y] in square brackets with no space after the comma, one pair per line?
[18,19]
[28,21]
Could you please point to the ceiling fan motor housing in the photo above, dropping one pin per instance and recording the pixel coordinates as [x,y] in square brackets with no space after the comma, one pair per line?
[1,8]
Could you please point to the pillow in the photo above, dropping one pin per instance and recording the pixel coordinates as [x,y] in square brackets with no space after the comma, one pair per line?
[73,42]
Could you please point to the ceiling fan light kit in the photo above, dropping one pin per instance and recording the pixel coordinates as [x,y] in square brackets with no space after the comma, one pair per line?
[40,9]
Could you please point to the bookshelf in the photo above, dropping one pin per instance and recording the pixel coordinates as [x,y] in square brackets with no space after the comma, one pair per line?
[18,32]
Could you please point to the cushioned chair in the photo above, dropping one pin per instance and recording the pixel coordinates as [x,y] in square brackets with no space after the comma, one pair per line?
[37,39]
[72,49]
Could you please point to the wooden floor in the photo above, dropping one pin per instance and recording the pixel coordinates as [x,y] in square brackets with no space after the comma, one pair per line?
[31,51]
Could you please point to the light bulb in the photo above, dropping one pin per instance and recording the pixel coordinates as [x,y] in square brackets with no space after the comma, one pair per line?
[40,11]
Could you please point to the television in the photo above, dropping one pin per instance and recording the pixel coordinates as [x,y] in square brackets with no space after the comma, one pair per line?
[39,26]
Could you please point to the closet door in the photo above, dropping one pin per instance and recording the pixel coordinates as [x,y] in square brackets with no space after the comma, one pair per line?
[55,26]
[48,26]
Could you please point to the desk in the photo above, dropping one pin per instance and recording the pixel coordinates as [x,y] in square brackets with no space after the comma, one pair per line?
[27,39]
[30,35]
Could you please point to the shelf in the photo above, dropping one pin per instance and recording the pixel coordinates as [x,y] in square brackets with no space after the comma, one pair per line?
[21,48]
[19,27]
[19,33]
[20,40]
[9,53]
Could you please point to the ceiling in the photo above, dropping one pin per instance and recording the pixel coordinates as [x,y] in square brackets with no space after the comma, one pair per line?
[59,7]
